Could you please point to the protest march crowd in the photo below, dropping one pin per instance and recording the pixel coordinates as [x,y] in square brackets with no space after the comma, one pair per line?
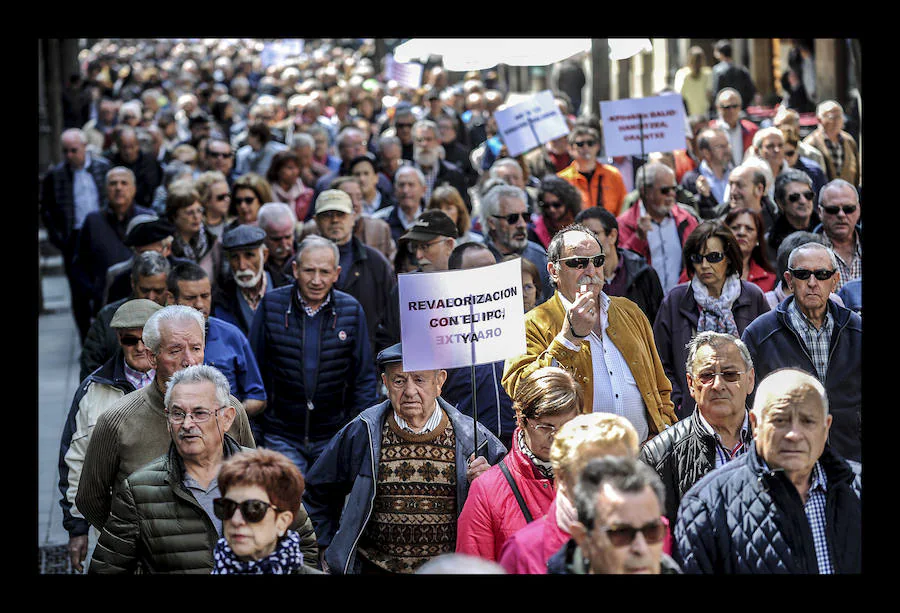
[238,228]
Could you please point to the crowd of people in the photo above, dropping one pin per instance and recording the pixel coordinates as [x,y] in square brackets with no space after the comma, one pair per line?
[689,398]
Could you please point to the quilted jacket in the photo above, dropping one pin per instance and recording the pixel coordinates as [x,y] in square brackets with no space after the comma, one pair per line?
[156,525]
[746,518]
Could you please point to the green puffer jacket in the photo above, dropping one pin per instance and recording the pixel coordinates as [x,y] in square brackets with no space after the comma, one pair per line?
[157,526]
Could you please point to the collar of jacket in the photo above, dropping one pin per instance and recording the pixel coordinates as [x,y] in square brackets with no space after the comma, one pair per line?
[840,315]
[113,373]
[297,306]
[175,465]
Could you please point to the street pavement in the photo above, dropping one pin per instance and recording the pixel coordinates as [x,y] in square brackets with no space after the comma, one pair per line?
[58,351]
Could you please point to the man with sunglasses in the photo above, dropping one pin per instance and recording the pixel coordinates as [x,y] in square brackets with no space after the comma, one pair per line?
[606,342]
[740,132]
[720,377]
[599,184]
[220,157]
[795,197]
[618,531]
[163,519]
[126,370]
[839,210]
[810,331]
[790,505]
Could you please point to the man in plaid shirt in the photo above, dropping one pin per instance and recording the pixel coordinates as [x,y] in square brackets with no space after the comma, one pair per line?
[839,211]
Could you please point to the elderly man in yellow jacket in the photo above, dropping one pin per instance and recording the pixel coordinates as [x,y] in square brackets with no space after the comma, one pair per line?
[606,342]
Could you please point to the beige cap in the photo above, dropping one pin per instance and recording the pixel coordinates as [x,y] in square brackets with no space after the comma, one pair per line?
[134,313]
[334,200]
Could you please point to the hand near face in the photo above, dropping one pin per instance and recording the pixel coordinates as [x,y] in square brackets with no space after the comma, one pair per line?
[584,314]
[703,186]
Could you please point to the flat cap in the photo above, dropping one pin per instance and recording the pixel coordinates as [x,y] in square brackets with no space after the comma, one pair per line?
[388,355]
[149,232]
[431,223]
[243,237]
[334,200]
[134,313]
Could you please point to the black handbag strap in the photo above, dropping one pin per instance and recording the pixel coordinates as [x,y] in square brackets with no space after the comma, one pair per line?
[515,489]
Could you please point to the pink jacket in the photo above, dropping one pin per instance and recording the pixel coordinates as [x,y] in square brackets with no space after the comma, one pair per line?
[491,514]
[526,552]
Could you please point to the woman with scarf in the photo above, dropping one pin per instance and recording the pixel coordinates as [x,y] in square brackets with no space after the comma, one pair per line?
[520,487]
[560,202]
[714,298]
[284,178]
[261,492]
[193,240]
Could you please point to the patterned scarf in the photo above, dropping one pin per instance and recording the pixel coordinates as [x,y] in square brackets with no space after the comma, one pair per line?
[192,249]
[715,313]
[545,468]
[286,558]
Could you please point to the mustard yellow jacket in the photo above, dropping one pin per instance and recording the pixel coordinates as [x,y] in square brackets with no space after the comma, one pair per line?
[630,332]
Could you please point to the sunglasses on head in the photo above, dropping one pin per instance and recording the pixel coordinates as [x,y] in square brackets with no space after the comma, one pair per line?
[801,273]
[580,262]
[808,195]
[848,209]
[585,143]
[622,536]
[713,257]
[512,218]
[129,340]
[253,511]
[248,200]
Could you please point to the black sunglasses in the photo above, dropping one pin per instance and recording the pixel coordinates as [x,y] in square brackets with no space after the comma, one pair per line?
[622,536]
[585,143]
[252,510]
[729,375]
[713,257]
[553,205]
[665,189]
[512,218]
[248,200]
[801,273]
[403,125]
[808,194]
[581,262]
[218,154]
[729,106]
[130,341]
[222,197]
[848,209]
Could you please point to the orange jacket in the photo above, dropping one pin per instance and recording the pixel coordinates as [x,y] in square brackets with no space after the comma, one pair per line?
[606,176]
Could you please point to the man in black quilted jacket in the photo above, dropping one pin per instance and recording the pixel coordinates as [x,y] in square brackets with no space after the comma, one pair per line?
[789,505]
[720,376]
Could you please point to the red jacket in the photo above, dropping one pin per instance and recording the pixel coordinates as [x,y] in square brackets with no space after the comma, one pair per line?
[526,552]
[628,239]
[491,514]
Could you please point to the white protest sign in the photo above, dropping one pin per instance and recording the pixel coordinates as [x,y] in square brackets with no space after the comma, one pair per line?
[276,52]
[405,74]
[663,124]
[531,123]
[461,317]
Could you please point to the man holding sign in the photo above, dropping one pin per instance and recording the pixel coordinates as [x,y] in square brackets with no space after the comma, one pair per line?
[606,342]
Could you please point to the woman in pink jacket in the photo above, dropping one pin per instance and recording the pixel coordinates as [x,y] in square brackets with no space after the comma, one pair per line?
[586,437]
[493,510]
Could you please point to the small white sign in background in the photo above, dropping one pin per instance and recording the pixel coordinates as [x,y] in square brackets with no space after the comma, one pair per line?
[663,125]
[531,123]
[461,317]
[405,74]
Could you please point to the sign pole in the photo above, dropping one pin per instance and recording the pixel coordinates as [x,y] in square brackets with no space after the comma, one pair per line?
[474,399]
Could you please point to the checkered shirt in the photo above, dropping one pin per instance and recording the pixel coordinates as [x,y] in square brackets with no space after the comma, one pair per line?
[851,270]
[837,154]
[815,514]
[817,342]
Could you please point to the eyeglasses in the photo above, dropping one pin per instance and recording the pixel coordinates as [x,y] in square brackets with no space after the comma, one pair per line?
[556,204]
[726,107]
[222,197]
[403,125]
[218,154]
[581,262]
[129,340]
[194,212]
[666,189]
[848,209]
[512,218]
[248,200]
[585,143]
[713,257]
[729,375]
[622,536]
[822,274]
[546,429]
[773,146]
[253,511]
[808,195]
[789,153]
[414,246]
[199,416]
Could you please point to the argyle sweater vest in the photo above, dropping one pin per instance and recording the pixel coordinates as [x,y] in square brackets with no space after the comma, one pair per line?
[414,516]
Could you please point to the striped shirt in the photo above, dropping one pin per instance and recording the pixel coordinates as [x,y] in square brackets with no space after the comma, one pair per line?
[851,270]
[615,390]
[818,342]
[815,514]
[137,378]
[432,423]
[723,453]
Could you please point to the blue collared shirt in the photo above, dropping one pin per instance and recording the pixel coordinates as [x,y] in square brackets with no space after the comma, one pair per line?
[665,250]
[716,185]
[229,350]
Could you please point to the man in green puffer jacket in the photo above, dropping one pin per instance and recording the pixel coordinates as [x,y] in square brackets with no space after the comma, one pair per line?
[162,518]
